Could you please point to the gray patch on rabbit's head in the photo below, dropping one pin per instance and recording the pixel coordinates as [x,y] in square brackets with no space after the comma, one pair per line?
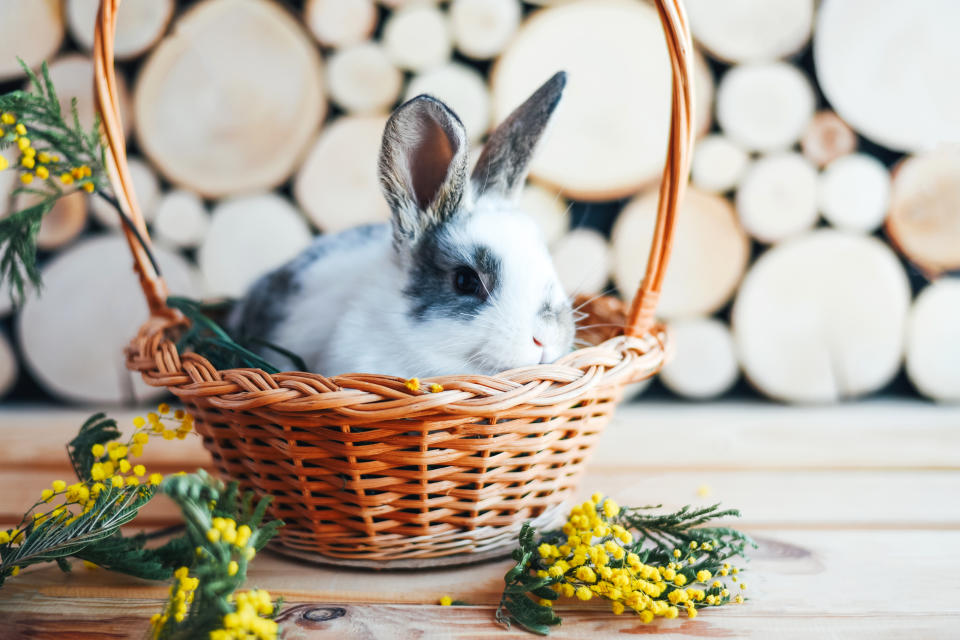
[430,287]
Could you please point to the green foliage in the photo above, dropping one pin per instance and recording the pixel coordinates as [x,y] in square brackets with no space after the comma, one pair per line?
[211,341]
[61,535]
[220,561]
[655,540]
[93,534]
[49,132]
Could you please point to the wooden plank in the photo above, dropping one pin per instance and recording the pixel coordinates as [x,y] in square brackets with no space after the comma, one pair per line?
[97,618]
[769,499]
[875,434]
[831,573]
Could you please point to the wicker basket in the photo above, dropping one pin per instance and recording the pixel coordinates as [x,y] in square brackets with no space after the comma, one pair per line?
[367,471]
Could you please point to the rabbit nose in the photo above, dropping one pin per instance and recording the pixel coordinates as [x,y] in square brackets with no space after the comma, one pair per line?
[537,342]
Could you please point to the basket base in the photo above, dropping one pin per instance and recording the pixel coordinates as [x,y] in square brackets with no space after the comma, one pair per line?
[403,564]
[549,519]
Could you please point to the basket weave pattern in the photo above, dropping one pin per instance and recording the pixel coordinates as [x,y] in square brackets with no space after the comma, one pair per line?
[363,467]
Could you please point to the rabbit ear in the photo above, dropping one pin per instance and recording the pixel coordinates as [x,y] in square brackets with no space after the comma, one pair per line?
[502,166]
[423,166]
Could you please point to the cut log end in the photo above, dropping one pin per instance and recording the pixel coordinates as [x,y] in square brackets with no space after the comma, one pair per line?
[718,164]
[710,253]
[777,197]
[146,186]
[617,64]
[855,193]
[340,23]
[766,106]
[30,29]
[482,28]
[822,317]
[233,254]
[582,260]
[417,37]
[751,30]
[933,341]
[337,185]
[73,335]
[140,24]
[704,362]
[188,123]
[827,138]
[181,219]
[361,79]
[924,217]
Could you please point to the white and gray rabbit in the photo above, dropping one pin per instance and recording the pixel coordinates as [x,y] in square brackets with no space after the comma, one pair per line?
[459,282]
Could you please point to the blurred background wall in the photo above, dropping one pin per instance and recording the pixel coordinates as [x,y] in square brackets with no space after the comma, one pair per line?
[815,246]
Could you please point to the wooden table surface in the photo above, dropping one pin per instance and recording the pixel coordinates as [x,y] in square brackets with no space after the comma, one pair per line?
[856,509]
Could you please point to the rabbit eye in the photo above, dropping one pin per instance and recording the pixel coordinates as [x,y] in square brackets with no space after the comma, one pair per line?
[467,282]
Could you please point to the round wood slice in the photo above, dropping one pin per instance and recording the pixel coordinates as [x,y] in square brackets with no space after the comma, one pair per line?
[140,24]
[777,197]
[6,304]
[208,118]
[751,30]
[30,29]
[855,193]
[582,260]
[63,223]
[548,208]
[340,23]
[710,253]
[924,218]
[8,178]
[889,69]
[609,133]
[73,334]
[463,89]
[247,237]
[827,138]
[361,79]
[704,362]
[718,164]
[482,28]
[337,186]
[9,369]
[417,36]
[182,219]
[145,184]
[822,317]
[72,76]
[765,106]
[933,341]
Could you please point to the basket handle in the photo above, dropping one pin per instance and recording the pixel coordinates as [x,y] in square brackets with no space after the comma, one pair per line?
[108,105]
[676,168]
[672,185]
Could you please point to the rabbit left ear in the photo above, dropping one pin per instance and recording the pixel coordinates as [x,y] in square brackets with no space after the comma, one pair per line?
[502,167]
[423,166]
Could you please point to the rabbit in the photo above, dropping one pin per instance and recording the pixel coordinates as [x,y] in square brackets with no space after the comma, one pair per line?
[459,282]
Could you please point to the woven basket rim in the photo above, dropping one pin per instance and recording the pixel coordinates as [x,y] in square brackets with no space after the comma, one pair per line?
[618,360]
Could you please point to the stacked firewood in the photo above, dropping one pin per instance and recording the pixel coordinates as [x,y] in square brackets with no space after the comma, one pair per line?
[815,242]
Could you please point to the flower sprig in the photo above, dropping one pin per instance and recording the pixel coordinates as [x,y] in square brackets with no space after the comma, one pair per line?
[654,565]
[227,531]
[56,158]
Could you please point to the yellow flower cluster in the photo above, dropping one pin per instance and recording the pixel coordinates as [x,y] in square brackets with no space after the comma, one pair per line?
[181,595]
[39,164]
[112,468]
[226,529]
[247,621]
[414,385]
[595,561]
